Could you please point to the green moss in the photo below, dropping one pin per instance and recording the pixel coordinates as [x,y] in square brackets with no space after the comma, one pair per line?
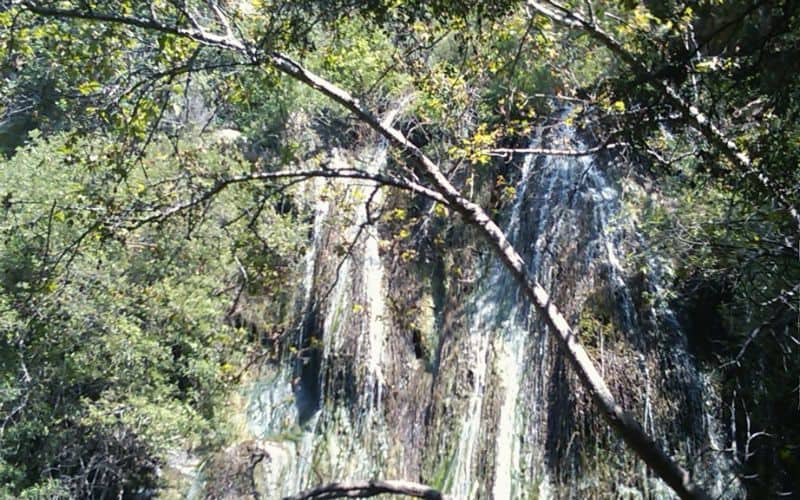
[442,478]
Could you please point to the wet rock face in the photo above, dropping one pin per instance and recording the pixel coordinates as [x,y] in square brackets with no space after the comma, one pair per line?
[437,371]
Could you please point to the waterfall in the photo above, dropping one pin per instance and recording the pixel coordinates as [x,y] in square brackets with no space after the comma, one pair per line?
[495,325]
[273,412]
[567,222]
[341,294]
[497,413]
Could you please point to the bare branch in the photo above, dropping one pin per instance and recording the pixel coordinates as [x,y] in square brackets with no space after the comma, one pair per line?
[364,489]
[224,182]
[196,33]
[505,152]
[755,332]
[222,18]
[590,12]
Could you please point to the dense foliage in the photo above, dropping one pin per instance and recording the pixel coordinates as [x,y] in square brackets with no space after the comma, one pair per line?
[118,342]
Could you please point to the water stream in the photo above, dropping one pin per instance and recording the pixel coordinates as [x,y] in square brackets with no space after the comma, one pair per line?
[340,320]
[567,222]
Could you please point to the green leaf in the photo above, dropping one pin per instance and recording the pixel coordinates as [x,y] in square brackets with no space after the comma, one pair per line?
[90,87]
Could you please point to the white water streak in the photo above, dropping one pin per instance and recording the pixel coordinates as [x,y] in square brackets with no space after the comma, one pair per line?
[509,348]
[373,276]
[510,366]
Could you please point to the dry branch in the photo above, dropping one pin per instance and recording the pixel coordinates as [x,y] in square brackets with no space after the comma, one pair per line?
[364,489]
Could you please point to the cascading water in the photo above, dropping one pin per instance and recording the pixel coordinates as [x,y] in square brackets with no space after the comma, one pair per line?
[566,222]
[496,413]
[340,293]
[273,412]
[495,325]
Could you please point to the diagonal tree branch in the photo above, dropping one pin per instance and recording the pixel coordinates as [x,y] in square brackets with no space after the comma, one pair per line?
[196,33]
